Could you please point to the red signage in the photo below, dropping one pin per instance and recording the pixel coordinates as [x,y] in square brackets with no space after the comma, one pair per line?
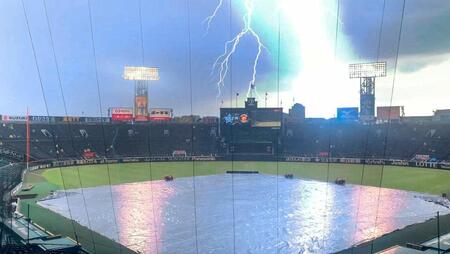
[121,114]
[141,118]
[120,111]
[116,117]
[6,118]
[422,157]
[323,154]
[160,118]
[243,118]
[385,114]
[88,154]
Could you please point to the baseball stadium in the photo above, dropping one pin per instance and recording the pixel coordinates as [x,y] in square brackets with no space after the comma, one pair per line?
[224,127]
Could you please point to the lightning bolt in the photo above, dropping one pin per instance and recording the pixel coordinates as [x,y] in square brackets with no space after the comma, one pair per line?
[209,19]
[221,64]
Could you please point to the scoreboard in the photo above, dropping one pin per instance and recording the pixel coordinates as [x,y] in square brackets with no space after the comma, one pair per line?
[259,117]
[250,130]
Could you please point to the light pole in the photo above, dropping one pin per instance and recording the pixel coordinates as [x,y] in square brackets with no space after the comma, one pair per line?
[265,100]
[141,76]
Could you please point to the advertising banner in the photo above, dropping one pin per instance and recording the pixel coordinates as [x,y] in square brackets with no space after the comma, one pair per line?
[323,154]
[6,118]
[141,108]
[385,114]
[422,157]
[97,119]
[71,119]
[141,118]
[160,114]
[121,114]
[347,114]
[88,154]
[42,119]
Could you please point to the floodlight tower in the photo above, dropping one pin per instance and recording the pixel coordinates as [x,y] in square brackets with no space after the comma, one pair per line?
[367,72]
[141,76]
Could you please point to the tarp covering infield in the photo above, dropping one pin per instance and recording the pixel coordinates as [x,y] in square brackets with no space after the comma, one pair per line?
[243,214]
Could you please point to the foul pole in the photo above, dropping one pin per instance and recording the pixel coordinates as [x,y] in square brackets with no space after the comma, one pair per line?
[28,138]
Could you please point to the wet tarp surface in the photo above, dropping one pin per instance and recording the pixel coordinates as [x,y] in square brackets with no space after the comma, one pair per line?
[242,213]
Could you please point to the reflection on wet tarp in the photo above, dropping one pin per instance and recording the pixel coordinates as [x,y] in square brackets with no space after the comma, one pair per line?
[242,214]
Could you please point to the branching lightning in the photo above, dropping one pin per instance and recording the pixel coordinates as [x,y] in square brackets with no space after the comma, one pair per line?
[209,19]
[222,62]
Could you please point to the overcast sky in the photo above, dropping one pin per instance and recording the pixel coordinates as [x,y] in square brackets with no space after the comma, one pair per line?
[310,64]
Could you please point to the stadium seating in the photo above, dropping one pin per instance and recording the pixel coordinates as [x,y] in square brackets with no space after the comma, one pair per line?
[354,140]
[116,140]
[59,141]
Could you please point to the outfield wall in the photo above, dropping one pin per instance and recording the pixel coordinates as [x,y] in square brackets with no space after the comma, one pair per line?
[391,162]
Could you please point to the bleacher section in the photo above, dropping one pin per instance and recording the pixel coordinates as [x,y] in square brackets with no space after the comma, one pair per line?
[355,140]
[60,141]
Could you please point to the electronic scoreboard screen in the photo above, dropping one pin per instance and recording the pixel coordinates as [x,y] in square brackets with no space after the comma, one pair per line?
[259,117]
[267,117]
[234,117]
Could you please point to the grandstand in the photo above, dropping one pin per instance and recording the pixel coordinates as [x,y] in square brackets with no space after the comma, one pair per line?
[309,139]
[355,140]
[63,140]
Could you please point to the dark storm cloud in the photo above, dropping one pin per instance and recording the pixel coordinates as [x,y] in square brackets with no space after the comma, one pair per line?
[426,30]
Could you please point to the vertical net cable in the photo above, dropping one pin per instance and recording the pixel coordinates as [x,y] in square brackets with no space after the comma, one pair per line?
[149,133]
[94,54]
[69,127]
[330,127]
[44,98]
[366,143]
[232,127]
[192,118]
[279,130]
[389,120]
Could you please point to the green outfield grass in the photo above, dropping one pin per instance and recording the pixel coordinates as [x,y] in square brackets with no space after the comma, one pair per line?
[406,178]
